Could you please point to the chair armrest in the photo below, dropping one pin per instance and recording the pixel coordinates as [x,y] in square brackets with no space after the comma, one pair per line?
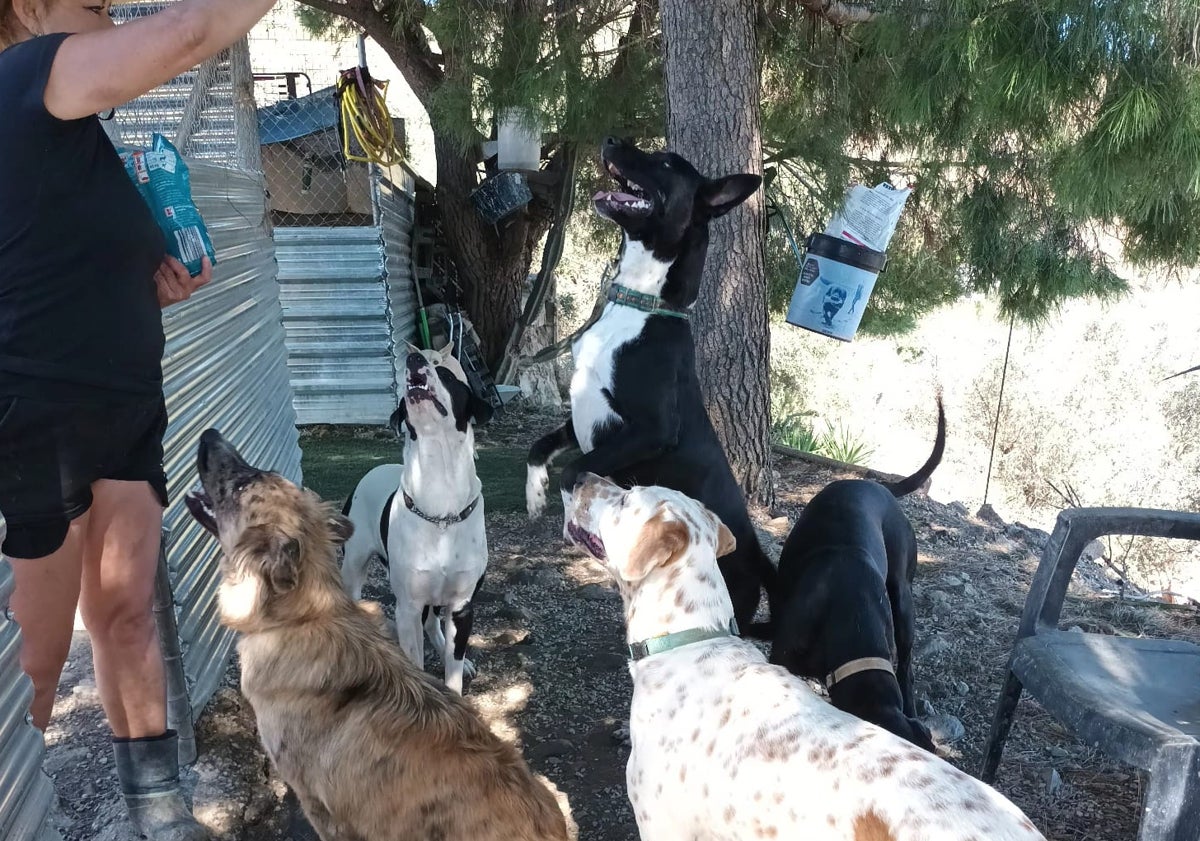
[1074,530]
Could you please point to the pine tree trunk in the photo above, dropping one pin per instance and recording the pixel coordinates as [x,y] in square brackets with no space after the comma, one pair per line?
[492,261]
[713,120]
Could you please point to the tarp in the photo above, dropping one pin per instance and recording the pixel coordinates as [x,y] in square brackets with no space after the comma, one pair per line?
[291,119]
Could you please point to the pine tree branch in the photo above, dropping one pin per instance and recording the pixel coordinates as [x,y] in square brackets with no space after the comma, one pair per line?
[406,45]
[639,23]
[839,13]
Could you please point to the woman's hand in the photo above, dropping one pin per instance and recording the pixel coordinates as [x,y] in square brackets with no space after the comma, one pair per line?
[175,284]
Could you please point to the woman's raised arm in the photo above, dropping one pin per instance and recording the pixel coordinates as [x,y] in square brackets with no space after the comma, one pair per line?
[96,71]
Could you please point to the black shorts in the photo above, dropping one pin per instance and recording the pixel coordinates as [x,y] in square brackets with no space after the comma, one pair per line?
[51,453]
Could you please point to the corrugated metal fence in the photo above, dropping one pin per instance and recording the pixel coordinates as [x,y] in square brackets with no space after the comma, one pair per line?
[334,311]
[225,367]
[395,210]
[349,306]
[26,794]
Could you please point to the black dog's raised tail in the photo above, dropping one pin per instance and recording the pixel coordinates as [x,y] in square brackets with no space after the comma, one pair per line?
[907,486]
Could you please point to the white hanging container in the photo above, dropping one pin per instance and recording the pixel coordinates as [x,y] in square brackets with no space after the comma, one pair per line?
[519,139]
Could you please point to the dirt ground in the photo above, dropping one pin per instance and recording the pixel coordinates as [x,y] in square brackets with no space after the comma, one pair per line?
[548,642]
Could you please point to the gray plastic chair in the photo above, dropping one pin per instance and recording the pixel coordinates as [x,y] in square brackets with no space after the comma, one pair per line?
[1137,700]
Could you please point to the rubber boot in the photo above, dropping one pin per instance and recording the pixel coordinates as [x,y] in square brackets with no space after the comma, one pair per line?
[149,773]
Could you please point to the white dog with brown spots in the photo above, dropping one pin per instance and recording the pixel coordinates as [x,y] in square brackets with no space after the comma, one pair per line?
[727,746]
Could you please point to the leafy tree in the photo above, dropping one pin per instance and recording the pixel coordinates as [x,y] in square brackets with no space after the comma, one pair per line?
[575,65]
[1031,131]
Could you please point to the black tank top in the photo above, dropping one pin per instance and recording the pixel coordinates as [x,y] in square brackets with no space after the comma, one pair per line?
[79,315]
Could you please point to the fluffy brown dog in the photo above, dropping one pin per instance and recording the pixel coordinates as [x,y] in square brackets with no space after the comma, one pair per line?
[375,749]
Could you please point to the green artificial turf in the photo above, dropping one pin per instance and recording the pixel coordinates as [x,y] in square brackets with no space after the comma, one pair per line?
[335,461]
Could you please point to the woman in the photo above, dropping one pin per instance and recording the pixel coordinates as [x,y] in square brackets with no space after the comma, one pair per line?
[83,276]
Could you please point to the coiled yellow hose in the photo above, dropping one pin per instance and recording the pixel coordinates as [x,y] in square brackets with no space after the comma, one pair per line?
[365,116]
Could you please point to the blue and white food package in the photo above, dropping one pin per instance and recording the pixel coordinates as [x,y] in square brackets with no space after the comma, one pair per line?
[161,177]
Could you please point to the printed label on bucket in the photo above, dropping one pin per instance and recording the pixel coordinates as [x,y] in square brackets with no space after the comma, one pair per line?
[830,297]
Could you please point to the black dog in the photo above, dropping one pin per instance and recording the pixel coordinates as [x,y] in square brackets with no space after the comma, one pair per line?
[637,412]
[844,598]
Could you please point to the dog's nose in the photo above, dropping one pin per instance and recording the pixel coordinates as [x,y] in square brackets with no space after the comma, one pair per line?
[415,361]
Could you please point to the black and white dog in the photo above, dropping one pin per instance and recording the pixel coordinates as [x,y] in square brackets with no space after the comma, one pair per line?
[637,412]
[843,601]
[425,518]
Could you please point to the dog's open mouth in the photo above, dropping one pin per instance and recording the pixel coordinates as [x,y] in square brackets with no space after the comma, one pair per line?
[631,198]
[418,391]
[200,505]
[587,541]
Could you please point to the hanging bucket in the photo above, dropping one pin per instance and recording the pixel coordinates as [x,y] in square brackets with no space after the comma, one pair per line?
[835,283]
[502,194]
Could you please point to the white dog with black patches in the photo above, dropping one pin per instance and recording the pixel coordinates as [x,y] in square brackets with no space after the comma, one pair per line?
[425,517]
[726,746]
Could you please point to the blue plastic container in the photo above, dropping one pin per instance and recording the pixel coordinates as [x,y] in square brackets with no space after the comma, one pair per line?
[835,283]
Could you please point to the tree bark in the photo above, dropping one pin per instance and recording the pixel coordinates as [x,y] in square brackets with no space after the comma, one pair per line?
[714,120]
[492,262]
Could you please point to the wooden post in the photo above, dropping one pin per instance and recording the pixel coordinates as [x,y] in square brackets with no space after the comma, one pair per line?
[245,114]
[206,75]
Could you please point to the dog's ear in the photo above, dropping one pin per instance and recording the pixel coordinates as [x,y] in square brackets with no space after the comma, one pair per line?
[396,421]
[281,566]
[661,542]
[722,195]
[726,542]
[480,409]
[340,528]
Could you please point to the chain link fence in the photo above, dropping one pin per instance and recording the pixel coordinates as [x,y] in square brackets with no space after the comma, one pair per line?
[287,78]
[311,179]
[195,110]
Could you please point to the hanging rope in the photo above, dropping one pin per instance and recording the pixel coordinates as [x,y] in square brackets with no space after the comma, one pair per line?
[999,402]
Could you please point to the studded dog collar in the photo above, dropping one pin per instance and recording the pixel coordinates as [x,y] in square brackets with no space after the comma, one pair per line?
[443,522]
[657,645]
[644,301]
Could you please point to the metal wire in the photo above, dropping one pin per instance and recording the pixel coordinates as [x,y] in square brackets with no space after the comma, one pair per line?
[999,403]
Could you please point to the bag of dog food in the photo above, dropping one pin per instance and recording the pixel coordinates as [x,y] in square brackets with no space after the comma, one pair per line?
[869,215]
[161,176]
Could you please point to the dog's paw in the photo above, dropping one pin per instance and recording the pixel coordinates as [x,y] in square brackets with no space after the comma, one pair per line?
[537,479]
[469,670]
[622,736]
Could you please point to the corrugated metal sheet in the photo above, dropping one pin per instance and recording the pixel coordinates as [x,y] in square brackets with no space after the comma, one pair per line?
[395,211]
[225,366]
[26,794]
[335,306]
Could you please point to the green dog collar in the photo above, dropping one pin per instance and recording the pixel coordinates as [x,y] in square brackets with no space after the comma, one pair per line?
[667,642]
[643,301]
